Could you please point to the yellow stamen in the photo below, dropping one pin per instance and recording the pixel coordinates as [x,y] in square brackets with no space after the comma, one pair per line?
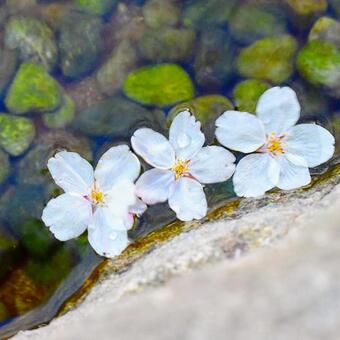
[97,197]
[180,168]
[275,144]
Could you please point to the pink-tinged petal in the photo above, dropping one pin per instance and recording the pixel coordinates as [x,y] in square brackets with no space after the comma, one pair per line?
[213,164]
[107,233]
[279,109]
[187,199]
[240,131]
[186,136]
[292,176]
[71,172]
[153,185]
[116,164]
[311,142]
[67,216]
[154,148]
[255,174]
[138,208]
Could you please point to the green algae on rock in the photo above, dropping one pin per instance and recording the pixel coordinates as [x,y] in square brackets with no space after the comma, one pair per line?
[278,53]
[9,248]
[159,85]
[251,22]
[96,7]
[16,134]
[62,116]
[5,166]
[158,13]
[167,44]
[206,109]
[113,72]
[32,90]
[319,63]
[326,29]
[306,7]
[33,39]
[247,93]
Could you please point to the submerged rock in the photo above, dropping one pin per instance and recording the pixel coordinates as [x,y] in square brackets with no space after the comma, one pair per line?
[5,166]
[251,22]
[8,254]
[319,63]
[168,44]
[277,52]
[326,29]
[306,7]
[32,90]
[335,5]
[247,93]
[97,7]
[4,312]
[80,43]
[214,58]
[8,65]
[115,117]
[16,134]
[206,109]
[158,13]
[112,74]
[159,85]
[33,39]
[32,169]
[198,13]
[62,116]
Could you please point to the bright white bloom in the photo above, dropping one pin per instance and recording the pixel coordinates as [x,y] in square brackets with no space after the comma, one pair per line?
[102,201]
[180,164]
[283,151]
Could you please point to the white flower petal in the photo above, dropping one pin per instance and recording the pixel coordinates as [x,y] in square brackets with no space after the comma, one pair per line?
[312,142]
[153,185]
[213,164]
[67,216]
[279,109]
[186,136]
[107,233]
[187,199]
[117,163]
[240,131]
[138,208]
[121,197]
[292,176]
[154,148]
[71,172]
[255,174]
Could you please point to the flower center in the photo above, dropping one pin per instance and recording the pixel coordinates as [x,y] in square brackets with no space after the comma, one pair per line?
[180,168]
[97,197]
[276,144]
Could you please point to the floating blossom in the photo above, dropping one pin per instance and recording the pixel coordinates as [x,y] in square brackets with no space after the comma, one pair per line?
[283,151]
[102,201]
[180,164]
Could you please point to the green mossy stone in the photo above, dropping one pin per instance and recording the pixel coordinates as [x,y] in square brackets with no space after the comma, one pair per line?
[4,313]
[306,7]
[159,13]
[36,238]
[319,63]
[198,13]
[4,166]
[159,85]
[9,250]
[62,116]
[206,109]
[251,22]
[96,7]
[33,39]
[32,90]
[16,134]
[247,93]
[268,59]
[336,129]
[326,29]
[168,44]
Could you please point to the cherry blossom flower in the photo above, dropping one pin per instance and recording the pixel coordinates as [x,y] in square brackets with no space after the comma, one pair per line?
[102,201]
[282,152]
[181,165]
